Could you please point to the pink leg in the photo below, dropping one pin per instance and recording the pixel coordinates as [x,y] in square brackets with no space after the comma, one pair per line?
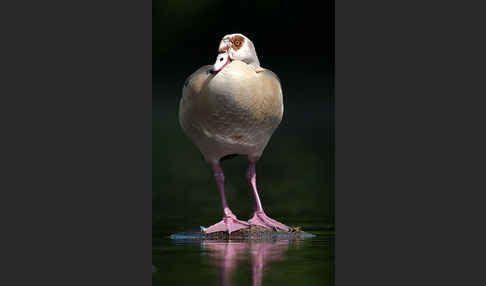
[259,217]
[229,222]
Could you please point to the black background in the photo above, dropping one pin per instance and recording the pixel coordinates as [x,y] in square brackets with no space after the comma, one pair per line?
[291,39]
[409,81]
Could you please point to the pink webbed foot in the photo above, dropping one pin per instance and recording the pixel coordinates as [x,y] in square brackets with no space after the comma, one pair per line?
[261,219]
[229,223]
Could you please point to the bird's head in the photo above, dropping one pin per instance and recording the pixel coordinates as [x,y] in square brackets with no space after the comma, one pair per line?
[235,47]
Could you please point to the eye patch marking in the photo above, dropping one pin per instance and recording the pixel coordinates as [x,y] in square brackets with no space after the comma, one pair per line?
[237,42]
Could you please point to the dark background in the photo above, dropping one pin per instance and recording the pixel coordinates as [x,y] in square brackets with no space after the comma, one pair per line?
[296,172]
[292,39]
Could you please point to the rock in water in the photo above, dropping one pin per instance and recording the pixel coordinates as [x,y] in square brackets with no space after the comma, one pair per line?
[254,232]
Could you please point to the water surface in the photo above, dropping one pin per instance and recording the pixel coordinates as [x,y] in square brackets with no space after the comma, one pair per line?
[241,262]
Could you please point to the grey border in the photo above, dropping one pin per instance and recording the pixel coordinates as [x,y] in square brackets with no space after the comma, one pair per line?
[409,75]
[76,134]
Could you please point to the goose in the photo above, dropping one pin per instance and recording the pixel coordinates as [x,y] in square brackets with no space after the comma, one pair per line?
[232,108]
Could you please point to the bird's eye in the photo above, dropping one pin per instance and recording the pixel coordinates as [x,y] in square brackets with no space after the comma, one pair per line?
[221,59]
[237,43]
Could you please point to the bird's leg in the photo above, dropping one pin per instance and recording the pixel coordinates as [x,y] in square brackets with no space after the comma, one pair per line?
[259,217]
[229,222]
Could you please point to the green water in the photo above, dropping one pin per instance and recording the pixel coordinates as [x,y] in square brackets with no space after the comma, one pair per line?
[295,179]
[279,262]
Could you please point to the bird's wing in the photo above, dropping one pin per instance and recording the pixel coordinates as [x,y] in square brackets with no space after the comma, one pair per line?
[194,83]
[270,83]
[190,91]
[267,74]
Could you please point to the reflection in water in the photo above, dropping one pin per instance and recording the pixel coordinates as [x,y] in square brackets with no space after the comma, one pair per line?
[227,254]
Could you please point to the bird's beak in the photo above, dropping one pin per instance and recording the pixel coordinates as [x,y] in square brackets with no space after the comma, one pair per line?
[221,61]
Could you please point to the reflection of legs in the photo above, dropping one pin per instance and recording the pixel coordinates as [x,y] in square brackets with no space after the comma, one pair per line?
[229,222]
[264,252]
[259,216]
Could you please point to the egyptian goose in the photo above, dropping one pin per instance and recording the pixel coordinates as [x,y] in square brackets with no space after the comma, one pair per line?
[233,107]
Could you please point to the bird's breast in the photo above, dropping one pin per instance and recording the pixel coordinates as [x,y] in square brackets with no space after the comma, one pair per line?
[238,96]
[235,111]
